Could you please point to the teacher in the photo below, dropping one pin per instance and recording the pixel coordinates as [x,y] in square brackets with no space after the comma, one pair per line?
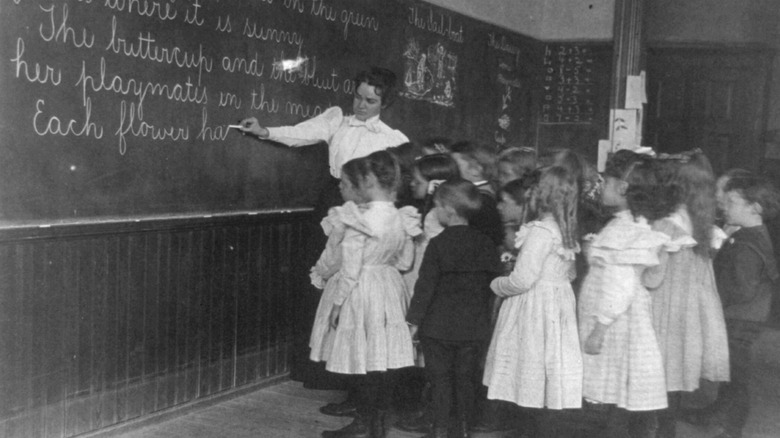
[347,137]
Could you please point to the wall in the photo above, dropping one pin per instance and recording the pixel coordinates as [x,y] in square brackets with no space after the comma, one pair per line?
[558,20]
[102,324]
[731,22]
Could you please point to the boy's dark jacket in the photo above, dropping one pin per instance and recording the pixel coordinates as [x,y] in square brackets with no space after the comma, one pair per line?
[452,295]
[746,274]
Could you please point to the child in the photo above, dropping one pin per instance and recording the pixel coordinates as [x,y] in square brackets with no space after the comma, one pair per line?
[477,164]
[515,210]
[687,312]
[746,273]
[368,312]
[451,304]
[534,357]
[324,272]
[622,364]
[515,162]
[406,154]
[436,145]
[428,172]
[324,275]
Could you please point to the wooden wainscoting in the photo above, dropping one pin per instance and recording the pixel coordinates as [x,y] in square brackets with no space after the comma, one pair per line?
[105,323]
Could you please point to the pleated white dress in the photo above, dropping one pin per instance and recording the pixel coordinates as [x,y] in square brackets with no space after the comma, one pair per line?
[372,334]
[629,371]
[687,312]
[325,275]
[534,357]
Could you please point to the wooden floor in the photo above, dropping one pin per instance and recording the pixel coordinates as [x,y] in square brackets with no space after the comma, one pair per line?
[287,409]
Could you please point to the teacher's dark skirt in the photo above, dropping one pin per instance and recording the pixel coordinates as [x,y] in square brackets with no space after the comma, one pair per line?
[313,374]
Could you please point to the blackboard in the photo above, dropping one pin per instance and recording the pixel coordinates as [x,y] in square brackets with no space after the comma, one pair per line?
[118,108]
[574,88]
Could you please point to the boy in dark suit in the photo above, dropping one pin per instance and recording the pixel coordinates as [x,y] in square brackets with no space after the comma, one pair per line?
[450,309]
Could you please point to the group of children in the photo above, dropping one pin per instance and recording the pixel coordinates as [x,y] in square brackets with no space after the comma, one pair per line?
[606,296]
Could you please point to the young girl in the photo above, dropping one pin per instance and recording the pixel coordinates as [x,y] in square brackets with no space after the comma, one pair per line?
[534,356]
[515,209]
[622,364]
[368,313]
[687,312]
[324,274]
[515,162]
[747,274]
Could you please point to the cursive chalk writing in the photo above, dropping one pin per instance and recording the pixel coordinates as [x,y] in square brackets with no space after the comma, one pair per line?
[132,124]
[48,75]
[242,65]
[302,110]
[352,18]
[62,32]
[435,24]
[193,19]
[52,125]
[207,133]
[226,27]
[145,48]
[144,8]
[320,9]
[229,99]
[259,102]
[252,30]
[187,92]
[307,75]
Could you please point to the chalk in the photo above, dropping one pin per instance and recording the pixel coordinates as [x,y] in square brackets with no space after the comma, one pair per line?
[235,126]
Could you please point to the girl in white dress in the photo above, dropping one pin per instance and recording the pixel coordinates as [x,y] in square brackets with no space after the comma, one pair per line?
[324,274]
[369,306]
[534,357]
[687,311]
[622,364]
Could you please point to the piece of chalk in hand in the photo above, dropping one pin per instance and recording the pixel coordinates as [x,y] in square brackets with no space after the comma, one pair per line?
[235,126]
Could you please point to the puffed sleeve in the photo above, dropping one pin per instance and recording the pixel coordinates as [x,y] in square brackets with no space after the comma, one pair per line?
[535,243]
[653,276]
[356,233]
[410,218]
[330,260]
[314,130]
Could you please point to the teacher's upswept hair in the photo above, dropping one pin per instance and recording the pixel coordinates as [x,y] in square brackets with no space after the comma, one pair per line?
[383,80]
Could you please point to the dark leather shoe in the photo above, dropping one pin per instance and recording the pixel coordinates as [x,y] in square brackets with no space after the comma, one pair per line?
[344,409]
[415,424]
[699,417]
[356,429]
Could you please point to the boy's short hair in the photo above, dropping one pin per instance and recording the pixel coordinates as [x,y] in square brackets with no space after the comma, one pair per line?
[463,196]
[756,190]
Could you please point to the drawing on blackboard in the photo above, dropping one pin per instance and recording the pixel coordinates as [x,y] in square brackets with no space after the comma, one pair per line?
[429,74]
[504,122]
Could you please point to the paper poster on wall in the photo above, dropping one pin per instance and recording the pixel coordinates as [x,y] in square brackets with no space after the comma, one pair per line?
[624,124]
[636,95]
